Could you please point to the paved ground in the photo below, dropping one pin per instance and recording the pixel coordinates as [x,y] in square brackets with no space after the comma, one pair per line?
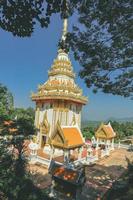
[99,177]
[40,175]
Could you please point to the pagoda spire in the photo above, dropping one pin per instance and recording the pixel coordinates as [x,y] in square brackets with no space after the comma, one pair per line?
[63,44]
[65,27]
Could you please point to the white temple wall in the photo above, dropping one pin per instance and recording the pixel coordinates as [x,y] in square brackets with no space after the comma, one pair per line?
[78,119]
[36,116]
[55,114]
[70,117]
[41,116]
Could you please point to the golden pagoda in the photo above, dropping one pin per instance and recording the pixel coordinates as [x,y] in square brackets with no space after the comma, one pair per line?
[59,100]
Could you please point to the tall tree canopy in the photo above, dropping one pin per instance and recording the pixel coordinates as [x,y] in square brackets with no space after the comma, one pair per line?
[16,128]
[102,41]
[20,17]
[6,102]
[104,45]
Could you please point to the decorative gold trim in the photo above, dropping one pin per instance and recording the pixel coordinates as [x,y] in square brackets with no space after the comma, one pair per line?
[45,126]
[101,133]
[61,85]
[59,72]
[64,64]
[59,95]
[73,120]
[63,146]
[60,132]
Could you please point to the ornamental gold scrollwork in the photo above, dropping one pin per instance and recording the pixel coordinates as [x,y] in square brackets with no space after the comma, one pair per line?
[73,123]
[61,95]
[45,126]
[67,73]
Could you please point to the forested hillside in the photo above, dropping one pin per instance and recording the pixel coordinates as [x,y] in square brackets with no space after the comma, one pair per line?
[122,129]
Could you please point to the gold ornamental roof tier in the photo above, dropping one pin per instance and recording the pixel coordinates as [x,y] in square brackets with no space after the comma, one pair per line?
[61,82]
[64,137]
[60,85]
[61,67]
[59,95]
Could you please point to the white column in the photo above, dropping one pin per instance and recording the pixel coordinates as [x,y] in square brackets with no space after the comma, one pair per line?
[66,157]
[52,153]
[40,139]
[119,144]
[107,147]
[79,153]
[97,144]
[112,144]
[89,151]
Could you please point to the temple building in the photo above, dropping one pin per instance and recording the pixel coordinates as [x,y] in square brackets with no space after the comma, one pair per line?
[105,136]
[59,103]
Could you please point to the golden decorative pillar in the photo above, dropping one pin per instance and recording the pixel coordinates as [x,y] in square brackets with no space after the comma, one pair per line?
[73,123]
[37,117]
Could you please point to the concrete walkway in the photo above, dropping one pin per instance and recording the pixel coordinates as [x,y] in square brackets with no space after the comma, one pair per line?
[102,175]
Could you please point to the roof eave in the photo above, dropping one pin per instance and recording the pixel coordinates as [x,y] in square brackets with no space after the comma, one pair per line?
[81,101]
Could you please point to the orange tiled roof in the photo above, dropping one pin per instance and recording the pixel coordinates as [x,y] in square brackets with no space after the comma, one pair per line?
[70,137]
[9,122]
[73,136]
[105,132]
[109,131]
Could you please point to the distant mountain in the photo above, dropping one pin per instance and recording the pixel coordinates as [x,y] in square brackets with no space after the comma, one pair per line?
[125,119]
[92,123]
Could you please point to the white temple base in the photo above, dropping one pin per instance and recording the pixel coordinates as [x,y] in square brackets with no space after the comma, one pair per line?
[47,150]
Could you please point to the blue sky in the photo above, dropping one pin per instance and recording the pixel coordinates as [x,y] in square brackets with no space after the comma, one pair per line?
[24,63]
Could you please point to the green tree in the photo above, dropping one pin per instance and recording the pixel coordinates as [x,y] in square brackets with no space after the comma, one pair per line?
[25,113]
[103,45]
[123,129]
[21,17]
[6,103]
[13,160]
[88,132]
[15,181]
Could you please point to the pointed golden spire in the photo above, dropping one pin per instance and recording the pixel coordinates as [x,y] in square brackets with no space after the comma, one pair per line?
[65,27]
[63,44]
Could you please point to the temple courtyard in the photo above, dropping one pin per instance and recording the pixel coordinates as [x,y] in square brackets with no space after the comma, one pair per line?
[99,176]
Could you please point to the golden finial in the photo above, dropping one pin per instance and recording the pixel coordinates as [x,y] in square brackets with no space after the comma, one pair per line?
[65,26]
